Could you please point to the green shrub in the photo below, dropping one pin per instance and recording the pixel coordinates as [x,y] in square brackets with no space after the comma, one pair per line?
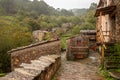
[106,75]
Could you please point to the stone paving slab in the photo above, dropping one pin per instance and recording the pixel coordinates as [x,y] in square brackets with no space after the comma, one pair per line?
[86,69]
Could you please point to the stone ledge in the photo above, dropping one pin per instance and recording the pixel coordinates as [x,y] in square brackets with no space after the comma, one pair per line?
[31,45]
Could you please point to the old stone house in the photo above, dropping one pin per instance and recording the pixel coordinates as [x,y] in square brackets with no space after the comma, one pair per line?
[108,20]
[38,35]
[108,34]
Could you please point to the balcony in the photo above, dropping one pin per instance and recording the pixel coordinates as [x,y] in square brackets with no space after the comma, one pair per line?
[105,7]
[105,10]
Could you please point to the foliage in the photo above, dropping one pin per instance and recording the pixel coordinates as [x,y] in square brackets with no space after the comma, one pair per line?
[79,12]
[106,75]
[114,50]
[2,74]
[76,30]
[28,8]
[66,13]
[32,23]
[93,6]
[5,63]
[64,38]
[47,36]
[8,6]
[12,35]
[115,47]
[63,42]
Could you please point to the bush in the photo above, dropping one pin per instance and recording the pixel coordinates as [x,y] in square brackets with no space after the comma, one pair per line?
[12,34]
[76,30]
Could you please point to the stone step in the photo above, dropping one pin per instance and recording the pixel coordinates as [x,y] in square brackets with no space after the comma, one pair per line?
[19,76]
[23,71]
[31,72]
[41,69]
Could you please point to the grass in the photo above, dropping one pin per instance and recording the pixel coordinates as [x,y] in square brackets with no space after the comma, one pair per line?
[105,73]
[63,40]
[2,74]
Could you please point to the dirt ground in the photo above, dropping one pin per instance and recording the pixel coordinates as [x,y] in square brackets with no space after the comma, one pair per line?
[86,69]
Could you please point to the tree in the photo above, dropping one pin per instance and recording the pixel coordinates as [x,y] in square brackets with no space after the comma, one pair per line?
[32,23]
[76,29]
[66,12]
[12,34]
[93,6]
[8,6]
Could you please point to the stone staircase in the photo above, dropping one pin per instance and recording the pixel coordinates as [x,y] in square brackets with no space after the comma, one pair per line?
[41,69]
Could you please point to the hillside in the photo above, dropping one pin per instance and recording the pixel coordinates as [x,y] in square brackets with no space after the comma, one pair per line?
[79,12]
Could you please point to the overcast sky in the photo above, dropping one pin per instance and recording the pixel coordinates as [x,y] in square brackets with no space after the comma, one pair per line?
[70,4]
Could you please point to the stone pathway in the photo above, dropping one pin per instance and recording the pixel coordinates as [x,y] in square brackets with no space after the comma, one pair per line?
[86,69]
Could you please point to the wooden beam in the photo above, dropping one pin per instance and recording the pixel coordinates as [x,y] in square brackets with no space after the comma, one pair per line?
[105,10]
[103,55]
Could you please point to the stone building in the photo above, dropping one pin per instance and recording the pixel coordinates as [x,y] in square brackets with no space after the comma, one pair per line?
[108,35]
[38,35]
[108,20]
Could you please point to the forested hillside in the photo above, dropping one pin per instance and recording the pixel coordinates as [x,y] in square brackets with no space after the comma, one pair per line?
[79,12]
[29,8]
[18,18]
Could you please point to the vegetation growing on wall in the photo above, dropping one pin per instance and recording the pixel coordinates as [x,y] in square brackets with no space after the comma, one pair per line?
[110,60]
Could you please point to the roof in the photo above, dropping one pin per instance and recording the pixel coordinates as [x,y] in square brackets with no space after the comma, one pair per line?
[105,10]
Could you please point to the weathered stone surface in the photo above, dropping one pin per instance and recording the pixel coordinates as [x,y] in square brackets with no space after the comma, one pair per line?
[7,79]
[85,69]
[117,21]
[19,76]
[32,52]
[42,69]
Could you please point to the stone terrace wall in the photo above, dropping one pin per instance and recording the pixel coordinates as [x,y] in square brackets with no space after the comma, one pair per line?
[32,52]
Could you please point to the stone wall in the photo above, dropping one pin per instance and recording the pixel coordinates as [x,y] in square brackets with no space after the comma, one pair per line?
[33,51]
[42,69]
[117,15]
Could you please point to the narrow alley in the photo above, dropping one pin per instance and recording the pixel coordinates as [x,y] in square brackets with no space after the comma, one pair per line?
[86,69]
